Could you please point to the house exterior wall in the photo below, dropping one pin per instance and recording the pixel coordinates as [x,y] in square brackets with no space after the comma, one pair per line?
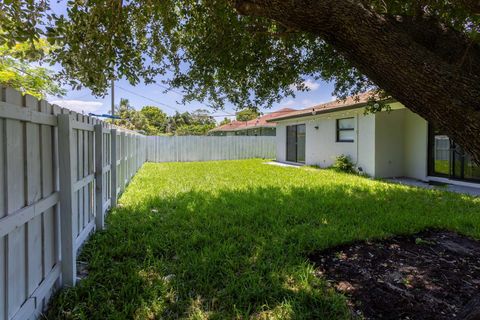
[387,144]
[401,144]
[321,144]
[416,146]
[366,144]
[281,142]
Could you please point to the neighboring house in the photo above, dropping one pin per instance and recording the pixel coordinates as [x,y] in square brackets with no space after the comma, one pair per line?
[255,127]
[398,143]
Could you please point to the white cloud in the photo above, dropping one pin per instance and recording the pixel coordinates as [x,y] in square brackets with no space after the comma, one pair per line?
[297,104]
[289,103]
[79,105]
[307,103]
[309,84]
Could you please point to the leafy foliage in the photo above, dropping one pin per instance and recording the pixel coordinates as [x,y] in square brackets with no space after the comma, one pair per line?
[194,129]
[157,120]
[247,114]
[225,121]
[16,71]
[152,120]
[344,163]
[204,46]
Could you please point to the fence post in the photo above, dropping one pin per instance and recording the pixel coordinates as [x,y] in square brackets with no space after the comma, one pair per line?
[113,168]
[66,151]
[123,163]
[99,192]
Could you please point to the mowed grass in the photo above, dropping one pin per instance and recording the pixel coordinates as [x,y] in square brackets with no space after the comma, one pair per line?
[229,240]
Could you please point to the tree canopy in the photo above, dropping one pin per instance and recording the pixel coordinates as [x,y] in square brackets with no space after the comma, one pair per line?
[426,54]
[17,72]
[225,121]
[152,121]
[247,114]
[206,47]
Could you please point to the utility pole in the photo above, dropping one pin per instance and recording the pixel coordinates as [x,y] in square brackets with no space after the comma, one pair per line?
[113,97]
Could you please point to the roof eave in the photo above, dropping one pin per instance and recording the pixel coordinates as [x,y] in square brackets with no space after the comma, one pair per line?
[319,112]
[241,128]
[331,110]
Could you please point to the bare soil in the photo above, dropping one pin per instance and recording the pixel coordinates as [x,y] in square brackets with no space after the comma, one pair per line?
[430,275]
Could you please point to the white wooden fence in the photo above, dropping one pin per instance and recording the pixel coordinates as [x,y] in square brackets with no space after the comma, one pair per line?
[59,174]
[206,148]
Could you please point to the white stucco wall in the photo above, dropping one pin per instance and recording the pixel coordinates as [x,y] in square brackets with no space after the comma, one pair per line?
[281,142]
[401,144]
[416,146]
[321,145]
[389,144]
[366,144]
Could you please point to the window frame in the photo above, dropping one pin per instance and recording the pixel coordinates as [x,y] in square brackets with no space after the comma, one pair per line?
[339,130]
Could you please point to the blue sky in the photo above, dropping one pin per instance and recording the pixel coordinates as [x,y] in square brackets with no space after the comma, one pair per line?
[141,95]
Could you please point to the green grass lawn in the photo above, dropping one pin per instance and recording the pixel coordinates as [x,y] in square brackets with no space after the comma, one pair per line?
[229,240]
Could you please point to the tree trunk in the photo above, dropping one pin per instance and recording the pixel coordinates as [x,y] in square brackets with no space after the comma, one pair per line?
[443,90]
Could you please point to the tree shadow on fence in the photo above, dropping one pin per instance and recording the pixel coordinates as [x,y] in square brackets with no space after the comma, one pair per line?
[239,253]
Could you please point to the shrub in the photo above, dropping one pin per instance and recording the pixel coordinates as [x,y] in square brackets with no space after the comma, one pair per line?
[343,163]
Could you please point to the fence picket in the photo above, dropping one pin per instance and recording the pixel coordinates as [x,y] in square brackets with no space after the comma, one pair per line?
[60,171]
[15,199]
[67,144]
[100,187]
[206,148]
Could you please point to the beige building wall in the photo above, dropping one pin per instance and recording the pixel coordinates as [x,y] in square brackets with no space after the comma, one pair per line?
[321,145]
[387,144]
[416,146]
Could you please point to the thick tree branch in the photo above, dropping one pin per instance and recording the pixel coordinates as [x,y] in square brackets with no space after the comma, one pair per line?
[472,5]
[249,8]
[426,80]
[448,44]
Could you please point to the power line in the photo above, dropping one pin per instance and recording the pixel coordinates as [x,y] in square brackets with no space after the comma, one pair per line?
[168,89]
[158,102]
[147,98]
[165,105]
[182,94]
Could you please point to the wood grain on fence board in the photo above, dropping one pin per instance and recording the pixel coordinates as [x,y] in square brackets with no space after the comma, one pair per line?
[208,148]
[68,174]
[3,276]
[15,180]
[48,154]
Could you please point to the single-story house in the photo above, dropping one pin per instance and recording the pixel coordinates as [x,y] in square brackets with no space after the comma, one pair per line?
[255,127]
[396,143]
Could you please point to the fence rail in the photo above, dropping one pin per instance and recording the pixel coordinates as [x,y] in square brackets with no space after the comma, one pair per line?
[60,172]
[207,148]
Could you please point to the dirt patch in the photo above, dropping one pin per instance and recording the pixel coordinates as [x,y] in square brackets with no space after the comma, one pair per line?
[430,275]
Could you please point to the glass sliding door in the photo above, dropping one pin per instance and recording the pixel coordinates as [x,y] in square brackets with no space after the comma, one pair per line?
[296,135]
[471,170]
[448,159]
[301,134]
[440,154]
[292,143]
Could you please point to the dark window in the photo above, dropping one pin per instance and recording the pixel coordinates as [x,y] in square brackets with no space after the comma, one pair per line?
[346,130]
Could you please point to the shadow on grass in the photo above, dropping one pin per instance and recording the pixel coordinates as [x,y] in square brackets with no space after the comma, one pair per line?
[241,253]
